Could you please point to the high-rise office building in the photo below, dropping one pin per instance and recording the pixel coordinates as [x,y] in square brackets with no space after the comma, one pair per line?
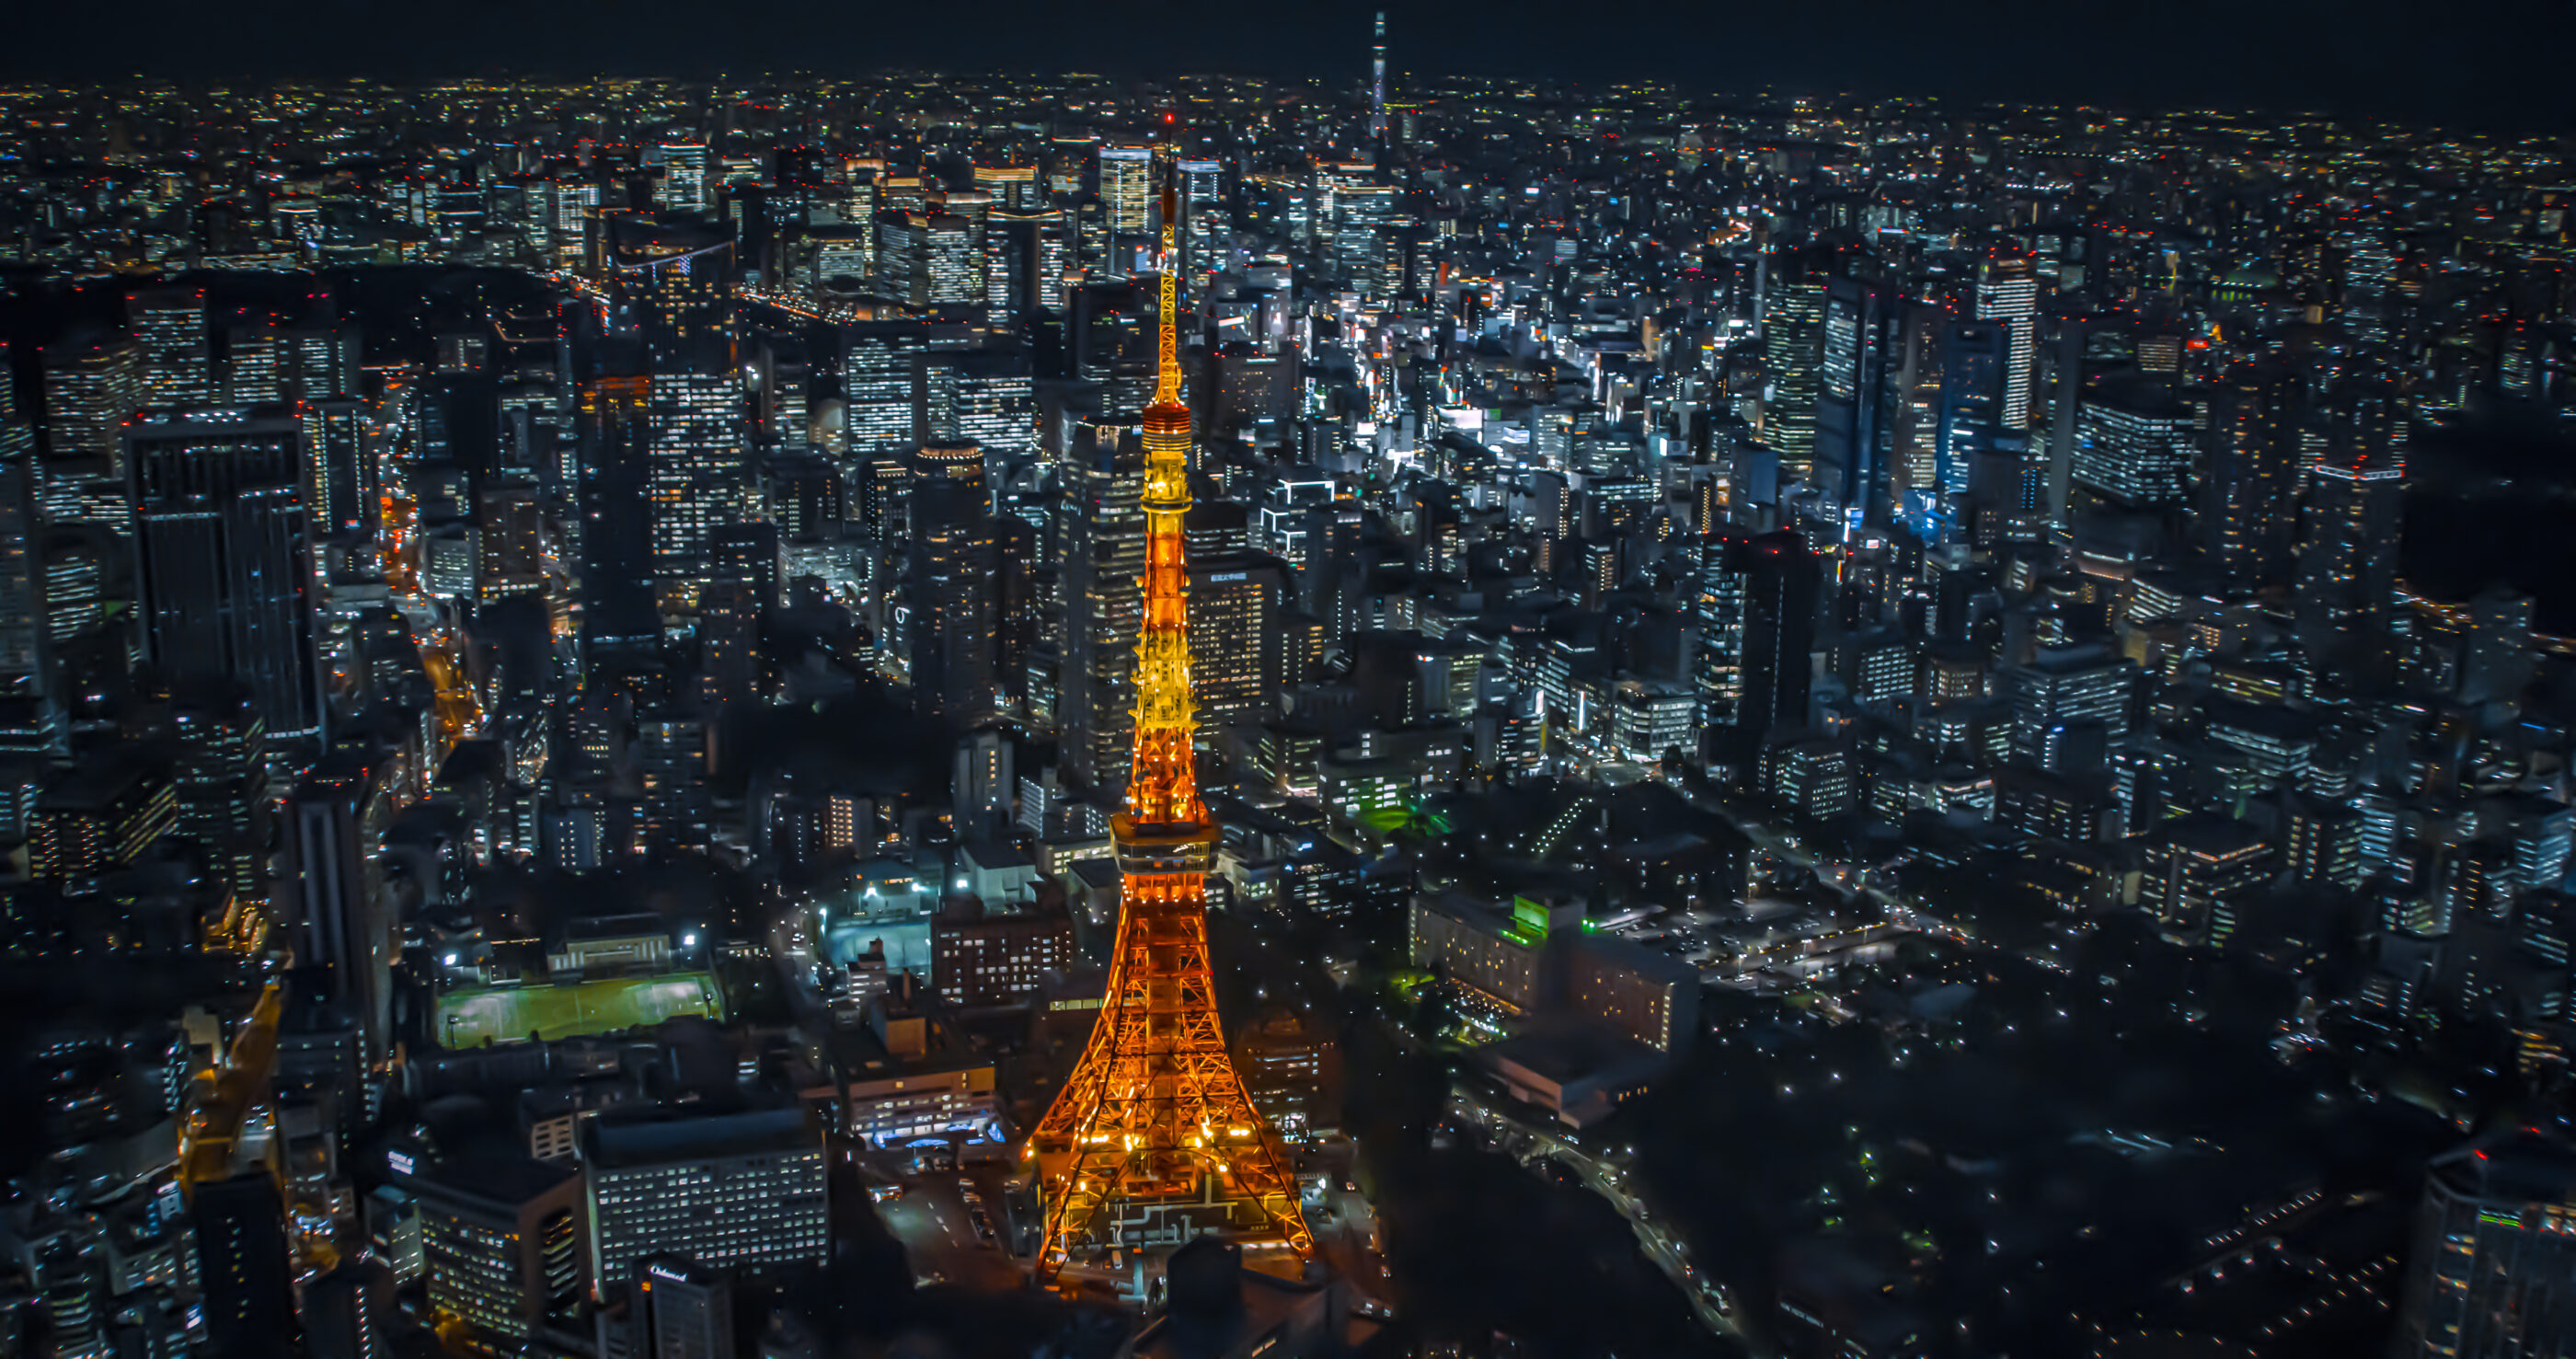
[946,268]
[981,395]
[31,712]
[1968,413]
[223,803]
[339,439]
[684,174]
[2134,446]
[318,361]
[1361,214]
[1235,600]
[1012,188]
[877,385]
[1203,222]
[243,1273]
[92,383]
[1718,611]
[741,586]
[1793,314]
[954,585]
[980,784]
[1127,188]
[2322,843]
[1103,530]
[2203,872]
[1780,579]
[700,476]
[502,1241]
[2250,441]
[679,1310]
[616,523]
[254,366]
[343,1312]
[670,284]
[2070,705]
[729,1191]
[223,557]
[342,914]
[2008,295]
[2493,1247]
[2347,566]
[176,361]
[1853,399]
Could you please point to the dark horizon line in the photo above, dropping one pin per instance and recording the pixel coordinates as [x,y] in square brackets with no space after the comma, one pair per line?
[1350,86]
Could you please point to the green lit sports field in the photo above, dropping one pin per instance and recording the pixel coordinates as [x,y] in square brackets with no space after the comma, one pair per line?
[471,1015]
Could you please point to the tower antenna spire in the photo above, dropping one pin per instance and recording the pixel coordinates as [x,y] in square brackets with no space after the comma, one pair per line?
[1377,83]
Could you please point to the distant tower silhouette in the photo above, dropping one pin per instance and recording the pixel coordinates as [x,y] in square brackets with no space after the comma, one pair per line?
[1377,83]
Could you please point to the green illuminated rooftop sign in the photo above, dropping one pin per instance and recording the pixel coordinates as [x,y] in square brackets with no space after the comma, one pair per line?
[1529,921]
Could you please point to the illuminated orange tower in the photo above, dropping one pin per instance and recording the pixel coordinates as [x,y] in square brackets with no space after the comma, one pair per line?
[1152,1137]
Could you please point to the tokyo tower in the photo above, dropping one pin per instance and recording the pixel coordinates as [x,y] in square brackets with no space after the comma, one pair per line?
[1152,1138]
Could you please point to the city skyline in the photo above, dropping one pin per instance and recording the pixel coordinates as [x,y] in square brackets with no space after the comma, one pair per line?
[2484,66]
[1447,716]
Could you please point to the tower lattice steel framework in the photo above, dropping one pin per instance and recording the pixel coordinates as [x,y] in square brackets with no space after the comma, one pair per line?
[1154,1119]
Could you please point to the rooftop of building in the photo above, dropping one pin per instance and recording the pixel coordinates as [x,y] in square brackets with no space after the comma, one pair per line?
[490,1176]
[665,1135]
[2522,1164]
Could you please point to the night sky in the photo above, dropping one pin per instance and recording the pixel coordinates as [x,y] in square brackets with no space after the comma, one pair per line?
[2498,62]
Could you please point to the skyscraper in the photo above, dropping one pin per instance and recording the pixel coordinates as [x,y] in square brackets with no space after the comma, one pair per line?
[616,526]
[342,471]
[341,1312]
[242,1268]
[223,556]
[2347,567]
[223,803]
[2493,1246]
[684,174]
[502,1240]
[985,396]
[31,716]
[2070,705]
[1235,599]
[1793,312]
[1853,401]
[980,784]
[1103,530]
[2251,442]
[1781,580]
[680,1311]
[1127,188]
[341,915]
[699,476]
[169,329]
[1718,610]
[1969,414]
[954,583]
[2008,294]
[946,268]
[2133,446]
[877,385]
[91,385]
